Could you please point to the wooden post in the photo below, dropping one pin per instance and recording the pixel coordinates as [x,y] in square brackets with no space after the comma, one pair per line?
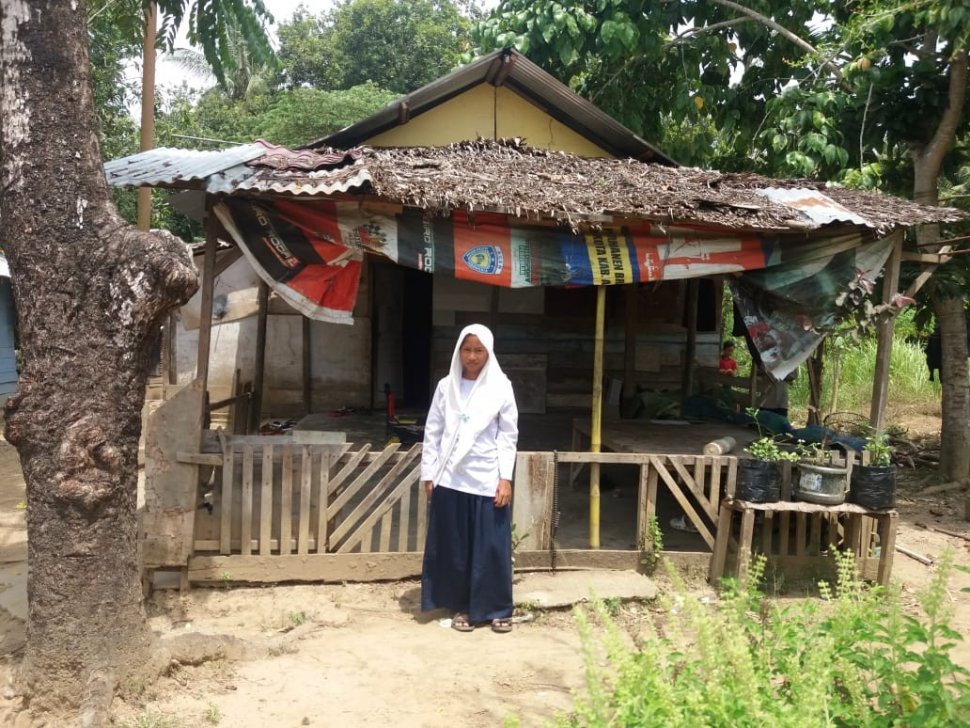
[884,347]
[144,209]
[630,343]
[307,368]
[257,406]
[690,350]
[815,370]
[208,282]
[595,434]
[172,362]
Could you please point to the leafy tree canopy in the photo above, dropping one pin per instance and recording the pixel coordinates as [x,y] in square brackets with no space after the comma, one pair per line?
[398,44]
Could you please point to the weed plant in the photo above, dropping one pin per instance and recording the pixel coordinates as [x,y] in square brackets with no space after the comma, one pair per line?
[850,658]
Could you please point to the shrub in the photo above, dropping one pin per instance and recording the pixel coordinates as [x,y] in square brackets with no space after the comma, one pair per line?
[852,658]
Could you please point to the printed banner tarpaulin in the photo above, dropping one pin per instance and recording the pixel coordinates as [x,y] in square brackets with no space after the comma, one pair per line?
[311,254]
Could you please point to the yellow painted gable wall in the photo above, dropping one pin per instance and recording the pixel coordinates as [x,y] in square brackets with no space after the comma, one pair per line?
[489,112]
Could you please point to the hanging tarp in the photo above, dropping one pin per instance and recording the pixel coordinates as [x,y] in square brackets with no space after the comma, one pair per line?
[787,309]
[311,254]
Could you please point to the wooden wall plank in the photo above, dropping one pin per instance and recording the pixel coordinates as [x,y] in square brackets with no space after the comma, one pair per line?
[532,499]
[422,517]
[225,503]
[404,522]
[322,475]
[246,528]
[266,502]
[303,529]
[286,501]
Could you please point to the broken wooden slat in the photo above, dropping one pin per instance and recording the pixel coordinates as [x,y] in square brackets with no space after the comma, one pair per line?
[198,458]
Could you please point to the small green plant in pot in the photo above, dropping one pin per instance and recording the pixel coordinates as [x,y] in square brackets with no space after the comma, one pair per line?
[820,478]
[759,477]
[874,485]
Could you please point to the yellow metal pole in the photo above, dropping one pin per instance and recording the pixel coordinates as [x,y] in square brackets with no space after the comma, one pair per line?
[595,437]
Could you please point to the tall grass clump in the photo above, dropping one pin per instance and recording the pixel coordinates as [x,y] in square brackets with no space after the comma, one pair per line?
[909,380]
[851,658]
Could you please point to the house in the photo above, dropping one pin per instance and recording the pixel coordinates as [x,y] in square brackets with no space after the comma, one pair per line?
[405,320]
[606,264]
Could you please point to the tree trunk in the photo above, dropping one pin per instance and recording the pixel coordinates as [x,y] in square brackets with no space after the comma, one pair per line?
[927,161]
[89,290]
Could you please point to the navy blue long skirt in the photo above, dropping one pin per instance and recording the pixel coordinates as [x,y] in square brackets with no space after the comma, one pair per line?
[468,556]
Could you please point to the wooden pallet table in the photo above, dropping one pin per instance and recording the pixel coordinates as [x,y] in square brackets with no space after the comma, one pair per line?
[798,535]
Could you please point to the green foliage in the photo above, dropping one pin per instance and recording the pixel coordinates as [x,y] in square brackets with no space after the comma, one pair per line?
[766,448]
[214,25]
[653,542]
[879,449]
[852,658]
[396,44]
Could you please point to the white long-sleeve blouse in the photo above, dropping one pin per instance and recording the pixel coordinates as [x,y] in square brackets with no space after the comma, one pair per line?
[490,458]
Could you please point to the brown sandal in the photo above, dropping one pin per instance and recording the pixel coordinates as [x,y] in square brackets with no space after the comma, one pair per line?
[502,626]
[460,623]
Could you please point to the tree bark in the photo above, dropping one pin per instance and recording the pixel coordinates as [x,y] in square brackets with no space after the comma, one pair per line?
[950,314]
[89,290]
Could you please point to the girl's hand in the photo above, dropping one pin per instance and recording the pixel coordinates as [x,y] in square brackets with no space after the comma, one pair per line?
[428,487]
[503,495]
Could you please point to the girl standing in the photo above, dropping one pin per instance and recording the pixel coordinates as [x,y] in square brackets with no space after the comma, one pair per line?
[466,466]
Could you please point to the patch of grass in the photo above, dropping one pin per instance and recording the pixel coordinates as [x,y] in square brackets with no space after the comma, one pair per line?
[151,719]
[212,715]
[297,618]
[909,379]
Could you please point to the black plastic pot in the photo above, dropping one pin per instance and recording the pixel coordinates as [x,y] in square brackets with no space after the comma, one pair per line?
[873,486]
[759,481]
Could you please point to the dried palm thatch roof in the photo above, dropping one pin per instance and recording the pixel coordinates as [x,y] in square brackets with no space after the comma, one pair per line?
[510,177]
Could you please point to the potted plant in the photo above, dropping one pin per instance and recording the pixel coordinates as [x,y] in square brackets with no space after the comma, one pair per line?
[759,477]
[874,485]
[819,479]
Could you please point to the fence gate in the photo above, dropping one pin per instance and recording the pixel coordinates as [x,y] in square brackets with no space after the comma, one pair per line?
[273,498]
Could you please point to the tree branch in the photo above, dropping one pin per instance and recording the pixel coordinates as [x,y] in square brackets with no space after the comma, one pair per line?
[778,28]
[946,130]
[691,32]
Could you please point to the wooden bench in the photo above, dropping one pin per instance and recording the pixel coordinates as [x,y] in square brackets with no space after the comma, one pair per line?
[847,527]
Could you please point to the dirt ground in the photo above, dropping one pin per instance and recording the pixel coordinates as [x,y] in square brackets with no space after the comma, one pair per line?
[363,655]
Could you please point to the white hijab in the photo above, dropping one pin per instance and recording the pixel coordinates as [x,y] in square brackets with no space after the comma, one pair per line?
[467,418]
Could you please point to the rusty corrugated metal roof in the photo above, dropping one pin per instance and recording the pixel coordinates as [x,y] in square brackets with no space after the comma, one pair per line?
[813,205]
